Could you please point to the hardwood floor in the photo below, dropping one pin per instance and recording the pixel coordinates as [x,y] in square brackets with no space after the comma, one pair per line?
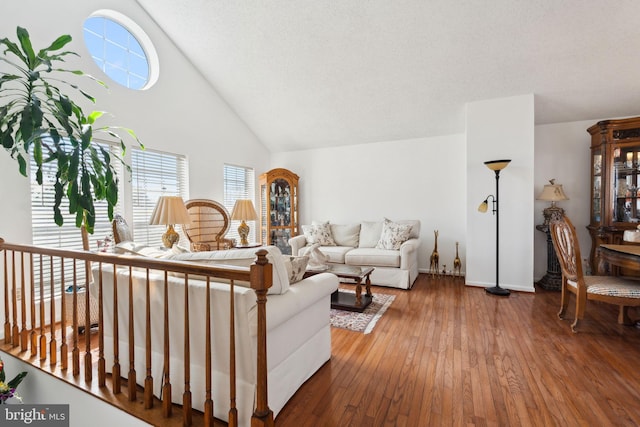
[448,354]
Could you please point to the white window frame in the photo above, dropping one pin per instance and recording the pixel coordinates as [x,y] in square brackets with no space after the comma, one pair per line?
[136,36]
[154,174]
[239,183]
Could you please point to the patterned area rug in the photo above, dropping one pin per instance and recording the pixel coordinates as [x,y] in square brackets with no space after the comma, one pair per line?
[365,321]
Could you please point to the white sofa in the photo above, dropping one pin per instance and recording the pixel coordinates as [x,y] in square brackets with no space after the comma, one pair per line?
[364,244]
[298,330]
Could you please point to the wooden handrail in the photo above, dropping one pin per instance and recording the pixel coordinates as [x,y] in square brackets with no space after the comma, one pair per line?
[27,335]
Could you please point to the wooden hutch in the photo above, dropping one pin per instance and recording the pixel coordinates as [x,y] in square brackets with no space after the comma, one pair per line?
[615,182]
[278,208]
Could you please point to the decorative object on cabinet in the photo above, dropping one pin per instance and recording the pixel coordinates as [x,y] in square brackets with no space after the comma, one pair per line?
[496,166]
[209,223]
[615,182]
[278,208]
[244,211]
[434,259]
[457,264]
[552,192]
[170,210]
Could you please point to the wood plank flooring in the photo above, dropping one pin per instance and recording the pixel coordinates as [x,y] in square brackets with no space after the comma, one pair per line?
[448,354]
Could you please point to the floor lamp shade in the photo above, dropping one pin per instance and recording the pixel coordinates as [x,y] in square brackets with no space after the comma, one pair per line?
[170,210]
[243,210]
[496,166]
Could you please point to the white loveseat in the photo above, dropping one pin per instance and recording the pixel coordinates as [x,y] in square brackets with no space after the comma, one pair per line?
[378,244]
[298,330]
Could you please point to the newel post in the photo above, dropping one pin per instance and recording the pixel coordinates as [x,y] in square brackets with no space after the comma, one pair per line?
[261,281]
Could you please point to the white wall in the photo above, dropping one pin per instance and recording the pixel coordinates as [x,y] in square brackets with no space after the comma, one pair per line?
[84,410]
[501,129]
[562,152]
[421,179]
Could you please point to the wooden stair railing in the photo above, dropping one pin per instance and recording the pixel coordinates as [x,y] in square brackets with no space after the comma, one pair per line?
[26,336]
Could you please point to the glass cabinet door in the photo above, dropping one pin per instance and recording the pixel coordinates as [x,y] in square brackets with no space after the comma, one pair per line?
[626,207]
[279,204]
[596,206]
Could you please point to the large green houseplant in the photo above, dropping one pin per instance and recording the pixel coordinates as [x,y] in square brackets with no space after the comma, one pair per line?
[38,119]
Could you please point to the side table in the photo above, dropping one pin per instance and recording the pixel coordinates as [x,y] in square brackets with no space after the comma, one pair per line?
[552,281]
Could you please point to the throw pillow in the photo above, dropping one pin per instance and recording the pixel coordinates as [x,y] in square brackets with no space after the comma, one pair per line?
[318,233]
[393,235]
[370,234]
[346,235]
[298,268]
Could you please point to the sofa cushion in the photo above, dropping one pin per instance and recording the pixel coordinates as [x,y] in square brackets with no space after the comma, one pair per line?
[319,233]
[346,235]
[393,235]
[370,234]
[243,258]
[373,257]
[336,254]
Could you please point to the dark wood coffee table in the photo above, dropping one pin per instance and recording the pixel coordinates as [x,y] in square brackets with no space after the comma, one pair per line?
[346,300]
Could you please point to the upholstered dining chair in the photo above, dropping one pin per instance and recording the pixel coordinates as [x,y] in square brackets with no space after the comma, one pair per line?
[209,223]
[615,290]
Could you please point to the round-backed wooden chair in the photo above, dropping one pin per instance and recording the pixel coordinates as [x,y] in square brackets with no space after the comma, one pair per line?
[622,292]
[210,222]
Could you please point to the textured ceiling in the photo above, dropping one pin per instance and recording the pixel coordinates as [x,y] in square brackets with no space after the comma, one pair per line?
[306,74]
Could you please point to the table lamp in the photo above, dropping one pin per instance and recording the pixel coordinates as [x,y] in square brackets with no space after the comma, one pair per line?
[170,210]
[243,211]
[553,193]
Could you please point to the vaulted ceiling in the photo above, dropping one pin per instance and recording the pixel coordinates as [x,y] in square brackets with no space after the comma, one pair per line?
[310,73]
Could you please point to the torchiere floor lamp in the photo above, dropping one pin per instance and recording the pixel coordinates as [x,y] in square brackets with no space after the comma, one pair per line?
[496,166]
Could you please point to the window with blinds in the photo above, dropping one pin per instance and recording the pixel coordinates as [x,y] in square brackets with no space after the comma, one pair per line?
[45,232]
[239,183]
[154,174]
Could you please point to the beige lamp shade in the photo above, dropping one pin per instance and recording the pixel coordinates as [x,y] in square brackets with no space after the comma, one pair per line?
[170,210]
[243,210]
[497,165]
[552,192]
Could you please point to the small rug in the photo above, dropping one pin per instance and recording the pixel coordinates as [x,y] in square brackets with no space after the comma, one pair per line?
[365,321]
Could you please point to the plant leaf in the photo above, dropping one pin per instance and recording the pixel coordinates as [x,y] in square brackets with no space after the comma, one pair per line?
[25,42]
[14,383]
[58,44]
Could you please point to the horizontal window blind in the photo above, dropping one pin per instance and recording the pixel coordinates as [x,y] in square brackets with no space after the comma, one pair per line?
[155,174]
[239,183]
[45,232]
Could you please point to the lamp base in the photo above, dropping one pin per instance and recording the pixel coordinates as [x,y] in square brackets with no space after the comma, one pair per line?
[497,290]
[170,237]
[243,231]
[551,213]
